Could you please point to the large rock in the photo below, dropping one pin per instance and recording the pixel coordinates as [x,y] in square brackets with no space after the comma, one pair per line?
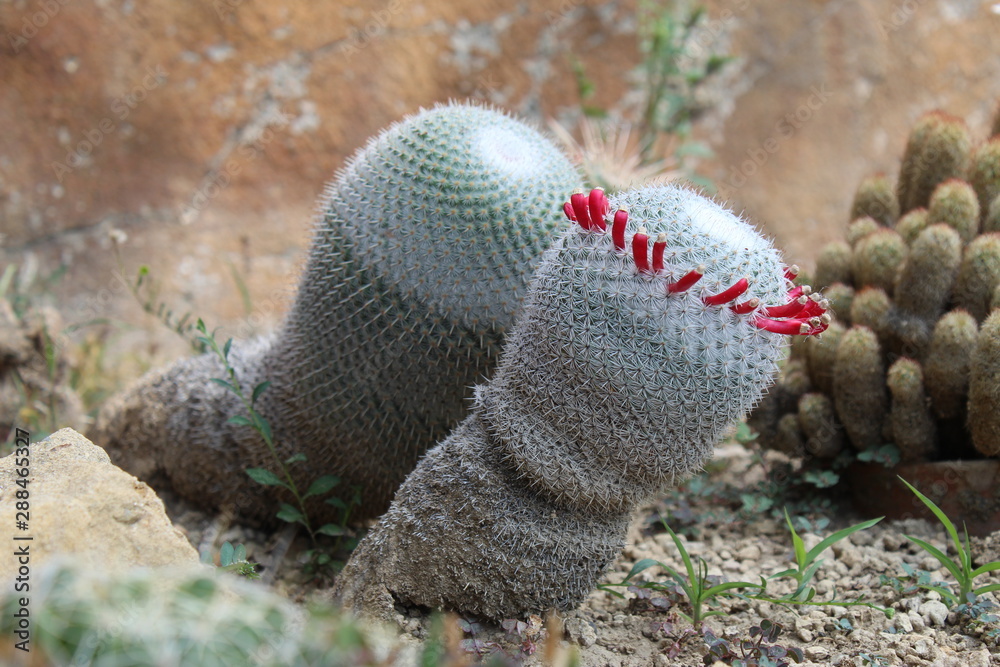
[82,506]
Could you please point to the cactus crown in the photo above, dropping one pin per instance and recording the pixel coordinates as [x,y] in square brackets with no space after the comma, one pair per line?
[644,352]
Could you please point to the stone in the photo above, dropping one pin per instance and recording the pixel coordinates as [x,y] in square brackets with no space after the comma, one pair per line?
[934,612]
[580,631]
[83,507]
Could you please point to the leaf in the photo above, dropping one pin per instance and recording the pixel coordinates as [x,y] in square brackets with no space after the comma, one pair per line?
[240,553]
[839,535]
[226,348]
[332,530]
[937,553]
[265,477]
[643,564]
[336,502]
[290,514]
[260,389]
[239,420]
[295,458]
[226,554]
[321,485]
[223,383]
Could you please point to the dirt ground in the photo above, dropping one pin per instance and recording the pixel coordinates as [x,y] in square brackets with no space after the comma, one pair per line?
[738,543]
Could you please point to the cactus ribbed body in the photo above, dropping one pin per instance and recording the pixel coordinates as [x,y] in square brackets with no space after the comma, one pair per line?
[419,260]
[921,289]
[620,375]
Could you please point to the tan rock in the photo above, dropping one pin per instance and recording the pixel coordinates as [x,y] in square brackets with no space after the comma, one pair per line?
[81,505]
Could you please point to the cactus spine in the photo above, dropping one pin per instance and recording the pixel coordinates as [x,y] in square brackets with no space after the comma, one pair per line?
[645,334]
[419,260]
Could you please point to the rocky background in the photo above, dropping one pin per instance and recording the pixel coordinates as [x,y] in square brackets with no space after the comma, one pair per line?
[204,130]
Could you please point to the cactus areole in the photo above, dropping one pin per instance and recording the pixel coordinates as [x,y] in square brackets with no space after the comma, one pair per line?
[650,326]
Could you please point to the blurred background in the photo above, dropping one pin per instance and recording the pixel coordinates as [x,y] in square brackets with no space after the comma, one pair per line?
[160,161]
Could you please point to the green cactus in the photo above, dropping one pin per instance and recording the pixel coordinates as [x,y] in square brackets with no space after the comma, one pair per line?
[860,229]
[914,338]
[834,264]
[877,259]
[992,221]
[872,308]
[978,275]
[621,373]
[820,428]
[937,149]
[841,298]
[911,224]
[954,203]
[201,617]
[420,258]
[946,370]
[859,391]
[925,280]
[913,429]
[984,173]
[875,199]
[821,351]
[984,388]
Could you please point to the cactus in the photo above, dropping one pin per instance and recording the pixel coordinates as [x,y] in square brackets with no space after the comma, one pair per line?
[954,203]
[147,616]
[420,258]
[645,334]
[937,150]
[915,369]
[875,199]
[984,388]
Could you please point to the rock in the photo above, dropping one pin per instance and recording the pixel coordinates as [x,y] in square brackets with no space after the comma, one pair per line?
[580,631]
[916,620]
[84,507]
[816,653]
[934,612]
[903,624]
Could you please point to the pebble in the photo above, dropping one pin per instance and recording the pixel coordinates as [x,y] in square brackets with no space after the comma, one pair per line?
[902,623]
[934,612]
[916,620]
[580,631]
[850,556]
[816,653]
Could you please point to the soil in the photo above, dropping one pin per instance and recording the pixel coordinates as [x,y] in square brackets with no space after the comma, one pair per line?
[643,628]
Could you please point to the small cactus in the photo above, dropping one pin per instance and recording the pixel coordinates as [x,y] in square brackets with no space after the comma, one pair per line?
[937,150]
[875,199]
[650,327]
[914,369]
[420,258]
[149,616]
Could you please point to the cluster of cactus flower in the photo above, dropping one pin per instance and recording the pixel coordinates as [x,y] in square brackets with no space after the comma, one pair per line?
[804,314]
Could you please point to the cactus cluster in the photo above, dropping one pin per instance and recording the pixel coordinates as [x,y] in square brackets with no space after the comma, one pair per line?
[645,334]
[148,616]
[420,258]
[914,357]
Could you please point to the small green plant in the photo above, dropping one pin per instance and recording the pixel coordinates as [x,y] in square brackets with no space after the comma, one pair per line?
[961,569]
[146,292]
[760,650]
[699,589]
[319,487]
[807,562]
[869,660]
[233,558]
